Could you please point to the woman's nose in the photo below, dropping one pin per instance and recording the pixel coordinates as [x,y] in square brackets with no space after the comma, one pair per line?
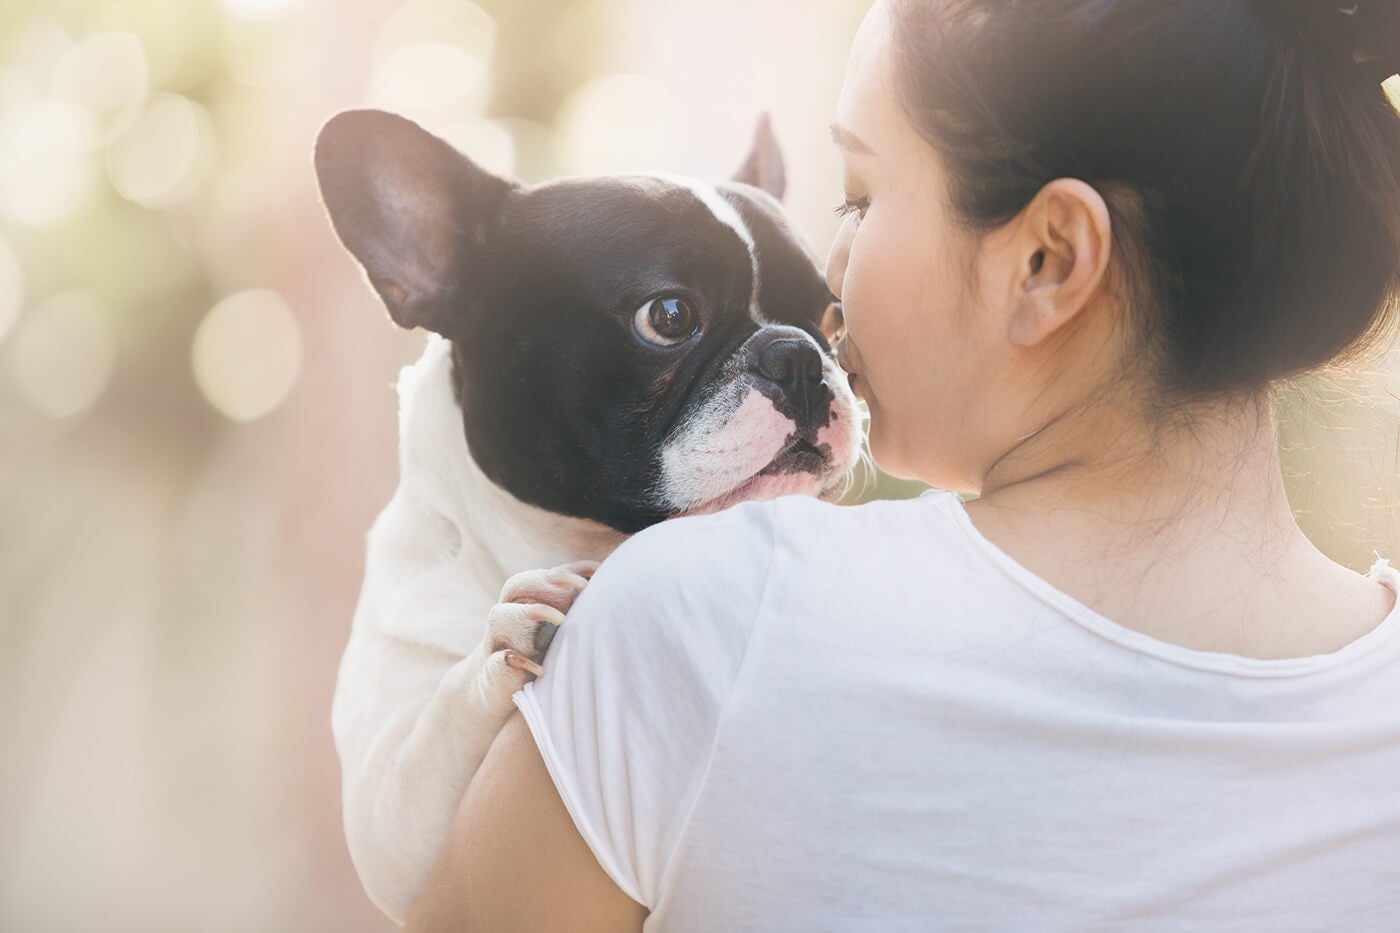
[837,258]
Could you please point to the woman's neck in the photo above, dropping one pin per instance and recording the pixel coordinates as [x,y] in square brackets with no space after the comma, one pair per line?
[1217,467]
[1184,533]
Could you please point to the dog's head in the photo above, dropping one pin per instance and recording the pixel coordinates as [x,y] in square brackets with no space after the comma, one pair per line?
[626,348]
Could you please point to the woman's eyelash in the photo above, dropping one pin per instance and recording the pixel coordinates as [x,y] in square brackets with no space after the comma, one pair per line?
[853,207]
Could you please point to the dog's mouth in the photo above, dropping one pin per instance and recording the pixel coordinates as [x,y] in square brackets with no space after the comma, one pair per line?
[801,456]
[802,467]
[755,448]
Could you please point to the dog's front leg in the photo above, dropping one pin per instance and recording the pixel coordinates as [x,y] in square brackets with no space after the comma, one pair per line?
[455,728]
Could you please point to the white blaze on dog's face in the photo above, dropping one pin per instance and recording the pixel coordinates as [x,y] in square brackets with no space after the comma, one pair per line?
[779,418]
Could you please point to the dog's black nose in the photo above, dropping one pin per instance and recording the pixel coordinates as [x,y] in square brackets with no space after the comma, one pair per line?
[791,363]
[794,365]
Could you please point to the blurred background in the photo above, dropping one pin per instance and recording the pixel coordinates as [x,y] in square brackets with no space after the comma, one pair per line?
[196,403]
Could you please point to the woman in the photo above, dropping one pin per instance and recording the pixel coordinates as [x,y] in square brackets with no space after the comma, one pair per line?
[1120,690]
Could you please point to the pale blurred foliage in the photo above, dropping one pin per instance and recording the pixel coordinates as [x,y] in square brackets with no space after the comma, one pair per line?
[196,402]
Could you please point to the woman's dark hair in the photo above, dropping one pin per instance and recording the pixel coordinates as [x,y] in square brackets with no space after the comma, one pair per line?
[1250,165]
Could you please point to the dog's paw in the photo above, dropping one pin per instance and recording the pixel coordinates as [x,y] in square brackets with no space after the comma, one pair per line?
[520,627]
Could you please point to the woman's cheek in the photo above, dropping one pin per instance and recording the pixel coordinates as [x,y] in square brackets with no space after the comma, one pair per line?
[868,278]
[878,272]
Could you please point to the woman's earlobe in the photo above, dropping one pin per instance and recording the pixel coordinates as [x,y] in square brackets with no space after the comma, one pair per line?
[1033,319]
[1040,309]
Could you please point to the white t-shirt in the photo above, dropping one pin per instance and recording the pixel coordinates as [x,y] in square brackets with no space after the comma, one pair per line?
[797,716]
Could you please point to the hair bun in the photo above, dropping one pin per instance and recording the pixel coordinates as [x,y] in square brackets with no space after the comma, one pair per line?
[1363,33]
[1378,37]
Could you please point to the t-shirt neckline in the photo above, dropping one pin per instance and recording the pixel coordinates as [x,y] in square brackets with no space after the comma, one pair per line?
[1222,662]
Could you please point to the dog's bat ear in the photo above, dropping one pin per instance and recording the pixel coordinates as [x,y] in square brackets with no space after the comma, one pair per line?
[764,166]
[414,211]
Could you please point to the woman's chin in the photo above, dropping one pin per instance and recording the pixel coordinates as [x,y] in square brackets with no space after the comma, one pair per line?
[885,456]
[892,460]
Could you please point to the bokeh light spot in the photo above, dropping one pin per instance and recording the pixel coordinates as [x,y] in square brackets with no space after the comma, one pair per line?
[247,354]
[44,173]
[431,58]
[620,123]
[166,154]
[425,76]
[487,143]
[107,74]
[454,22]
[532,145]
[64,353]
[35,43]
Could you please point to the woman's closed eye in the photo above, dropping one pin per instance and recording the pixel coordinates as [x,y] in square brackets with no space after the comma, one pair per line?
[857,207]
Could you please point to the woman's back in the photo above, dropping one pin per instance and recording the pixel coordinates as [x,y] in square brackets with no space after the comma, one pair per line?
[953,744]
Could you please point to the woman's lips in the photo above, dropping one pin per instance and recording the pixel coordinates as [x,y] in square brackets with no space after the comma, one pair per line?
[844,355]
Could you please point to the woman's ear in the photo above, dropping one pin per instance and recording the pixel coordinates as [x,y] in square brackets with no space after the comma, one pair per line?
[1063,245]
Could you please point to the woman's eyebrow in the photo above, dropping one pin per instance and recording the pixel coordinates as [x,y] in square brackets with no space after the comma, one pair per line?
[849,141]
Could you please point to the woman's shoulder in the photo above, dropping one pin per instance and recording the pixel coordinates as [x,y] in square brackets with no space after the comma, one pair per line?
[808,511]
[743,539]
[927,528]
[797,514]
[714,574]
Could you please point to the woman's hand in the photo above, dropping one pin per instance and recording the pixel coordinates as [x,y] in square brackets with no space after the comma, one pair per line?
[514,861]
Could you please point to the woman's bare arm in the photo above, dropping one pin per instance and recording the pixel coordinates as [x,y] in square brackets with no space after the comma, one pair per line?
[514,861]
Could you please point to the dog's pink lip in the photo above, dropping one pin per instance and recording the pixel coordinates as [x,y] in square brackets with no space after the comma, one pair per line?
[760,487]
[763,480]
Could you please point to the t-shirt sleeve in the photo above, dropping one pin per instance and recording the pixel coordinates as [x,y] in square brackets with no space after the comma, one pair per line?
[637,678]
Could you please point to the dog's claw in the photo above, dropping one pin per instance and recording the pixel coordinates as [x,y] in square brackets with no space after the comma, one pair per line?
[530,612]
[584,568]
[567,578]
[543,613]
[522,663]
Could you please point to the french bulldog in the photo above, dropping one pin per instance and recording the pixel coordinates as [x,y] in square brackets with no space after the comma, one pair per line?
[604,353]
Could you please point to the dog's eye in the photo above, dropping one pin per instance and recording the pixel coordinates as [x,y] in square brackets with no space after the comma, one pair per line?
[666,322]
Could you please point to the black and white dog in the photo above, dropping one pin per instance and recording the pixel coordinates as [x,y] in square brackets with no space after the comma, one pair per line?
[606,353]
